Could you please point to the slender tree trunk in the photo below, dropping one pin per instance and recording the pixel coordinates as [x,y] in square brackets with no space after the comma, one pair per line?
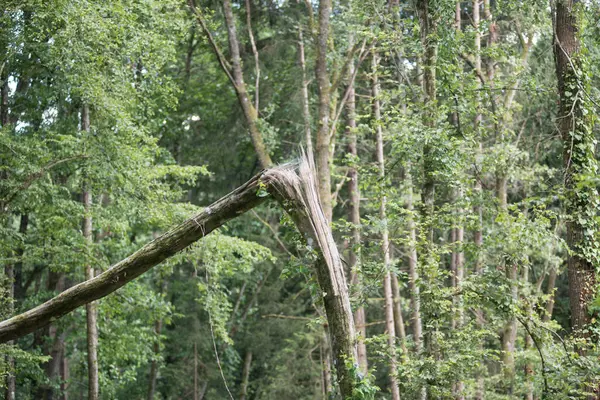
[326,364]
[385,242]
[90,308]
[305,101]
[56,344]
[255,54]
[4,119]
[458,264]
[398,318]
[550,291]
[294,187]
[19,291]
[429,91]
[156,348]
[64,376]
[9,270]
[353,188]
[528,369]
[236,76]
[413,274]
[574,125]
[477,187]
[509,336]
[10,361]
[196,371]
[246,375]
[154,364]
[323,139]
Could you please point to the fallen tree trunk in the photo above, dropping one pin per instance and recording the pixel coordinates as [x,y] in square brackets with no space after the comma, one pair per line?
[294,188]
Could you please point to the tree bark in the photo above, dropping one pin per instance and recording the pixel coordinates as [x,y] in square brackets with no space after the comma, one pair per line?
[354,217]
[477,187]
[54,347]
[579,160]
[413,274]
[385,242]
[323,138]
[429,91]
[246,375]
[90,308]
[398,318]
[551,292]
[196,371]
[305,100]
[156,347]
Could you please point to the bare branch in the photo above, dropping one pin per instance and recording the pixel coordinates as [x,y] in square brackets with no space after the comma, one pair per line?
[255,52]
[222,60]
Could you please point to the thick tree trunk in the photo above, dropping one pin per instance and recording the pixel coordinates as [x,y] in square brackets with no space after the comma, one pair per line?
[90,308]
[578,138]
[385,242]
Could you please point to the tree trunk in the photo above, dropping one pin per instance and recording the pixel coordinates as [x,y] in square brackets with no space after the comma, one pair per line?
[246,375]
[305,101]
[64,376]
[354,217]
[323,139]
[196,371]
[385,242]
[551,292]
[236,76]
[429,91]
[574,125]
[413,274]
[398,318]
[154,364]
[327,387]
[477,187]
[90,308]
[55,344]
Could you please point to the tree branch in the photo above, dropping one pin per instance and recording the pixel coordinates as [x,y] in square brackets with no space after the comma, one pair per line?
[37,175]
[222,60]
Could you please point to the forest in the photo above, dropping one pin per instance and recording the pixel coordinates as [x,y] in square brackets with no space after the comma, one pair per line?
[294,200]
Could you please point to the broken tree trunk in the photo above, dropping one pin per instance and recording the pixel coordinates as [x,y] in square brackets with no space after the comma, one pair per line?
[294,188]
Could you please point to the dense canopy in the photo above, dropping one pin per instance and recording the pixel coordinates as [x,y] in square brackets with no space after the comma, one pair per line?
[434,228]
